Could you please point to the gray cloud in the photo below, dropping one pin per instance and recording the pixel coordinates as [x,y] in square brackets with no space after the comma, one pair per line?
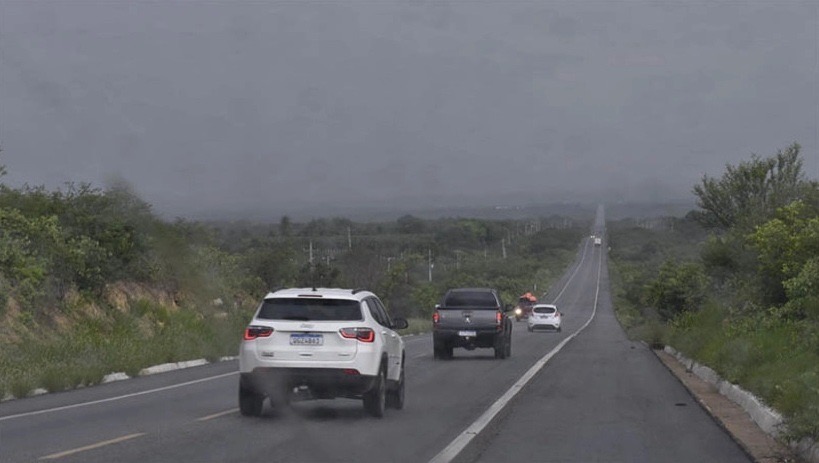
[266,107]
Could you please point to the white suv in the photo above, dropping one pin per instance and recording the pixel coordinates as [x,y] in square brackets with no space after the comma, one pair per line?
[319,343]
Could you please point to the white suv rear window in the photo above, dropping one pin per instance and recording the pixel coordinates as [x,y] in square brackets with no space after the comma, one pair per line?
[310,309]
[546,310]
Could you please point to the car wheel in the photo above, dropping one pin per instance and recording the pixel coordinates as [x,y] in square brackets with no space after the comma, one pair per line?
[559,329]
[529,328]
[250,402]
[509,347]
[500,350]
[395,397]
[376,398]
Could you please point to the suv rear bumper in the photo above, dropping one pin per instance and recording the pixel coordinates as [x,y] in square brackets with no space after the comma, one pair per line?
[321,382]
[450,337]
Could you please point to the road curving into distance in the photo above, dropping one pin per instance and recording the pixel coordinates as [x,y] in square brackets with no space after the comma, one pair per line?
[594,397]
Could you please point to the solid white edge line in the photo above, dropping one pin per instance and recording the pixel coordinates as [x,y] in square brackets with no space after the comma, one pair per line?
[459,443]
[120,397]
[579,264]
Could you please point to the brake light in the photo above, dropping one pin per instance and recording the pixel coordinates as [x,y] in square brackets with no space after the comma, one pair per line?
[253,332]
[351,371]
[498,317]
[436,317]
[361,334]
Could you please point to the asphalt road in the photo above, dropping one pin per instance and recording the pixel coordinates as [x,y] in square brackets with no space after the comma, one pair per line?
[599,398]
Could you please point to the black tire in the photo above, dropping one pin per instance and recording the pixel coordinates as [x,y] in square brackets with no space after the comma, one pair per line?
[508,347]
[500,349]
[250,402]
[530,329]
[375,400]
[395,397]
[560,329]
[449,352]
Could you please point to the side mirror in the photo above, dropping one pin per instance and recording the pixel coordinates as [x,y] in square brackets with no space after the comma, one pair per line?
[399,323]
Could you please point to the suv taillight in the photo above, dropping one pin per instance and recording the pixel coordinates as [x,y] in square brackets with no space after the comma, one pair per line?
[498,318]
[362,334]
[253,332]
[436,317]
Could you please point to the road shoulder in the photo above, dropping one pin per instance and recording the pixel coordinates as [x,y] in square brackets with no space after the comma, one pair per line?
[759,445]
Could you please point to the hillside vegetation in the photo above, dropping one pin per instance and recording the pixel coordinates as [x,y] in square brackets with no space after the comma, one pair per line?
[93,282]
[734,284]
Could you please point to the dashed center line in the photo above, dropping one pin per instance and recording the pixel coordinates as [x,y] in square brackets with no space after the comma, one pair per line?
[66,453]
[217,415]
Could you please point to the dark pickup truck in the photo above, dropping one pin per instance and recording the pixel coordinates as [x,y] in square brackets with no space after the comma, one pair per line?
[471,318]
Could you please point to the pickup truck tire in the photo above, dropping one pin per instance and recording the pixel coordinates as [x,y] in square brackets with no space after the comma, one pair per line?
[443,353]
[501,348]
[509,347]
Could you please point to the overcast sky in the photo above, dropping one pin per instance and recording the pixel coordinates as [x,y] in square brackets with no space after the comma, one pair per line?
[268,107]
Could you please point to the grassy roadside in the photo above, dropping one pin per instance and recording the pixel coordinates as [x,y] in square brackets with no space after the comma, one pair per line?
[116,342]
[774,357]
[417,326]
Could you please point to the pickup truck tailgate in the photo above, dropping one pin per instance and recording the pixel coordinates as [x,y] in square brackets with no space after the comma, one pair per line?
[467,318]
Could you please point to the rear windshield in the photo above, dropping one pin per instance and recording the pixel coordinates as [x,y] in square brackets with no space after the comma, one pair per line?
[310,309]
[476,300]
[545,310]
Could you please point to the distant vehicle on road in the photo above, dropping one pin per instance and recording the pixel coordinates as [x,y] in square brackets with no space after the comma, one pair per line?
[322,343]
[471,318]
[545,316]
[598,241]
[524,307]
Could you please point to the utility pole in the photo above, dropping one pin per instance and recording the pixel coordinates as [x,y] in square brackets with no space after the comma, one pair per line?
[430,264]
[311,252]
[349,239]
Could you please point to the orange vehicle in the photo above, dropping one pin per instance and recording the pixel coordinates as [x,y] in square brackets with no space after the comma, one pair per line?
[524,307]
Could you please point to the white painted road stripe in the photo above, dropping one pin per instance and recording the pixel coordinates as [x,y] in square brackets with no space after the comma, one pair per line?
[112,399]
[456,446]
[54,456]
[579,264]
[217,415]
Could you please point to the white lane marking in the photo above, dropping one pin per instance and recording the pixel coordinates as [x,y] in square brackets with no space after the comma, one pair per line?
[111,399]
[456,446]
[54,456]
[217,415]
[579,264]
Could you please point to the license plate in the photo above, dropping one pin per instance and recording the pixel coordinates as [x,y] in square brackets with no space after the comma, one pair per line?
[306,340]
[467,334]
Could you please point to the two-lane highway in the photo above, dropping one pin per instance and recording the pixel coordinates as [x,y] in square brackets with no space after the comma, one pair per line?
[600,398]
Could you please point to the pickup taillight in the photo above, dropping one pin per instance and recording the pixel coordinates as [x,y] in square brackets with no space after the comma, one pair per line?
[498,318]
[436,317]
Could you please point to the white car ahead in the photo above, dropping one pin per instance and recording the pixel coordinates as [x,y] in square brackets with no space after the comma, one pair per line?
[322,344]
[545,316]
